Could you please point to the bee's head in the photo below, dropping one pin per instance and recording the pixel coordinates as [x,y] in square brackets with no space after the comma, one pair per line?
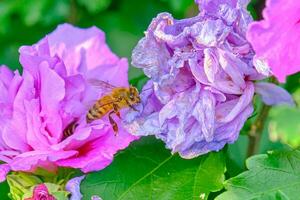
[134,97]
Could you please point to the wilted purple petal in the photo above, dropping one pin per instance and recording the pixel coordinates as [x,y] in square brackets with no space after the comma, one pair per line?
[95,197]
[209,32]
[272,94]
[226,112]
[73,186]
[261,66]
[204,112]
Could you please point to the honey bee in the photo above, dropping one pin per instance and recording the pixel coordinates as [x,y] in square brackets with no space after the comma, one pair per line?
[69,130]
[113,102]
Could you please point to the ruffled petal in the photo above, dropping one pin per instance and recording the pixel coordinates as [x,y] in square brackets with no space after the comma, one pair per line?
[52,92]
[82,49]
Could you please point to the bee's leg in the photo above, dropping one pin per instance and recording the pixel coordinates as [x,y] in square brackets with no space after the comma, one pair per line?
[113,123]
[116,110]
[131,106]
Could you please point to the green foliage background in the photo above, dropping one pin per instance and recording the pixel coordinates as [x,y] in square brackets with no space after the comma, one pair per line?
[24,22]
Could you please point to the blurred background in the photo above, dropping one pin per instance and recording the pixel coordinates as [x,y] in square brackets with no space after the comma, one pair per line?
[24,22]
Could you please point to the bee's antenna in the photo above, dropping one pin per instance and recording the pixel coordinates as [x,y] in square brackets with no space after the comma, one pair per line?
[147,89]
[176,91]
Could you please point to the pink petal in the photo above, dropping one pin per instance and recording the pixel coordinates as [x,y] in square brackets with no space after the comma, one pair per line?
[82,48]
[29,160]
[276,38]
[52,92]
[98,153]
[40,190]
[36,135]
[6,75]
[4,170]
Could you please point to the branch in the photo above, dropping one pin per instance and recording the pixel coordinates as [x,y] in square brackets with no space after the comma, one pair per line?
[73,12]
[256,131]
[257,127]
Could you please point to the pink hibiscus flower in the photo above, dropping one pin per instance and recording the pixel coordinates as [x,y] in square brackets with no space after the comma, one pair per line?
[52,92]
[276,39]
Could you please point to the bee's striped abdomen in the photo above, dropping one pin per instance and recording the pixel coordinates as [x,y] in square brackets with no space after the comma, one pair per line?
[97,112]
[70,129]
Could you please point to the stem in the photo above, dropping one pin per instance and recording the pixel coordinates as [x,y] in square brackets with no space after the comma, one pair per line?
[256,131]
[73,12]
[257,127]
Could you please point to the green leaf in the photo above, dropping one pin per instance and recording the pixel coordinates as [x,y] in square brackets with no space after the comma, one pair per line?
[236,154]
[292,82]
[285,125]
[59,177]
[146,170]
[20,183]
[57,191]
[4,190]
[296,96]
[139,81]
[255,8]
[275,175]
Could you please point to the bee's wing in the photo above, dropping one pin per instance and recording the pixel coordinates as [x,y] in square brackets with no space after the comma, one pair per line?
[104,86]
[103,101]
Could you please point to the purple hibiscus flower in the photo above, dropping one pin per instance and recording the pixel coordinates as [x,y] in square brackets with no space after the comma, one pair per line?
[53,91]
[201,79]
